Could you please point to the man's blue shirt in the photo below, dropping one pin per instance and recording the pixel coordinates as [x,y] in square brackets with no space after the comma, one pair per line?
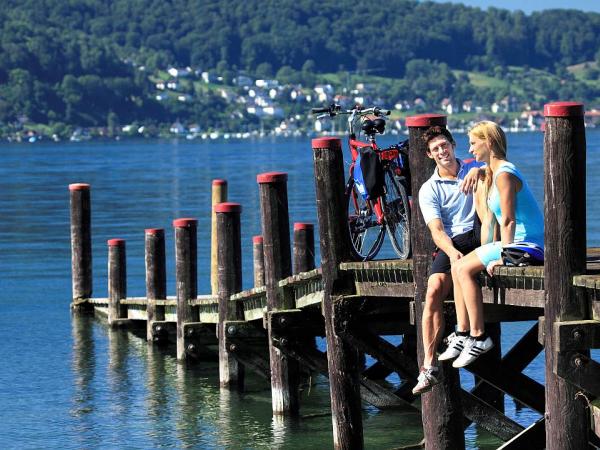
[440,198]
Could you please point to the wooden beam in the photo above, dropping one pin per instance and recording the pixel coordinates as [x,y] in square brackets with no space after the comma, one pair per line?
[488,417]
[513,383]
[531,437]
[579,370]
[370,391]
[253,360]
[576,335]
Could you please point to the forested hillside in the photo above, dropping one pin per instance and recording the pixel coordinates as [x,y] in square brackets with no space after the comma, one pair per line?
[78,61]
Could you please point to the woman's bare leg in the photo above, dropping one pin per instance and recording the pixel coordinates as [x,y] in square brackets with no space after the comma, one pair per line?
[465,272]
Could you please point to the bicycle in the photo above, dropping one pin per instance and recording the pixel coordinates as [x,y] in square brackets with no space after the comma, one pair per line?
[371,214]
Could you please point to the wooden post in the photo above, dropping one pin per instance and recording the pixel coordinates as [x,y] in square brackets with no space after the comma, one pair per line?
[219,195]
[81,244]
[186,277]
[259,261]
[229,258]
[278,265]
[117,280]
[156,277]
[304,247]
[440,408]
[567,423]
[342,358]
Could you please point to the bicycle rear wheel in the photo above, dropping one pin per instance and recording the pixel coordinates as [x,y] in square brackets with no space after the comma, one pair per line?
[366,235]
[397,214]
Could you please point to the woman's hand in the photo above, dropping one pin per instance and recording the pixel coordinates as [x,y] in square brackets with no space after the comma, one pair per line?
[492,264]
[469,183]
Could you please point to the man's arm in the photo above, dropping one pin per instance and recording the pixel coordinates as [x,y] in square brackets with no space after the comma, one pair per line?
[442,240]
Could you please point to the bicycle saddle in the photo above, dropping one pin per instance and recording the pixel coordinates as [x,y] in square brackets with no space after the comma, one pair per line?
[371,127]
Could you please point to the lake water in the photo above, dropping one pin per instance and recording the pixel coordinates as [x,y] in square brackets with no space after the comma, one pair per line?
[69,382]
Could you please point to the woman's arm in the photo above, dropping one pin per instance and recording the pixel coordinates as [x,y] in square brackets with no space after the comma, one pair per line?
[507,185]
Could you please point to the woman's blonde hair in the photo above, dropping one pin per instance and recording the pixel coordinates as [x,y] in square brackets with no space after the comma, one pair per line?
[496,139]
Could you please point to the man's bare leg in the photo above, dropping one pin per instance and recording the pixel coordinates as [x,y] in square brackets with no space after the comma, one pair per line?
[438,287]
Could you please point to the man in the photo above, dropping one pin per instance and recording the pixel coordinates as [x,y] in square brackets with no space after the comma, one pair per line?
[448,208]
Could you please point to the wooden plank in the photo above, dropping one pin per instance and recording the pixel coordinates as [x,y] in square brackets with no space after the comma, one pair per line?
[579,370]
[163,331]
[370,391]
[533,437]
[488,417]
[576,335]
[524,351]
[513,383]
[253,360]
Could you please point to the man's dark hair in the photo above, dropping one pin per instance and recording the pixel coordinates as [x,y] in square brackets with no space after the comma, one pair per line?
[436,131]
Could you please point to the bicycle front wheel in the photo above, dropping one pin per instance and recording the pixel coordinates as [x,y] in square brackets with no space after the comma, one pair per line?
[397,214]
[366,235]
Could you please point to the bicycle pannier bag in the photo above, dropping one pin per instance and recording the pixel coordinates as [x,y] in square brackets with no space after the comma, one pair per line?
[368,171]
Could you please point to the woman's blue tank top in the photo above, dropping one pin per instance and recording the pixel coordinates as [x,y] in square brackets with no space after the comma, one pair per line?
[529,218]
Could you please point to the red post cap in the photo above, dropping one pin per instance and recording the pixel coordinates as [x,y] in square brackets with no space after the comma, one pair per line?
[116,242]
[271,177]
[154,231]
[426,120]
[79,187]
[303,226]
[228,207]
[563,109]
[331,143]
[219,182]
[257,239]
[185,222]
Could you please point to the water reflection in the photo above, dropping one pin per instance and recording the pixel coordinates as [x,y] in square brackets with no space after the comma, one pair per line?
[83,367]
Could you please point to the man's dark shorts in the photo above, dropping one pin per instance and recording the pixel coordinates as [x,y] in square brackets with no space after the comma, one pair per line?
[464,243]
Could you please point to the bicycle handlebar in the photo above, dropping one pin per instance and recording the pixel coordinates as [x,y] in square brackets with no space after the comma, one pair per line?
[334,110]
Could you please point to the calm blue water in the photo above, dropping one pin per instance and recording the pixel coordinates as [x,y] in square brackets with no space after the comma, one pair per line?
[71,383]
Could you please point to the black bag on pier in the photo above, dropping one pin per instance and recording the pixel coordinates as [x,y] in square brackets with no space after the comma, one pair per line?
[372,172]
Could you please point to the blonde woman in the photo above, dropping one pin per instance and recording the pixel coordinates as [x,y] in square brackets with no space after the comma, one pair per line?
[512,209]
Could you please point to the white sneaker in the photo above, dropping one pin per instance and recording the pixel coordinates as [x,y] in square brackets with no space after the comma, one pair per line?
[473,350]
[427,379]
[456,344]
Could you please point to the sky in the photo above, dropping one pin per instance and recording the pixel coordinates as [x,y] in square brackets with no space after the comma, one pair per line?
[529,6]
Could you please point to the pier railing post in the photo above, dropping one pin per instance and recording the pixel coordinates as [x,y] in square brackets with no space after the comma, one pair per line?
[259,261]
[342,358]
[81,244]
[117,280]
[186,266]
[565,256]
[156,276]
[219,195]
[304,247]
[440,408]
[229,259]
[278,265]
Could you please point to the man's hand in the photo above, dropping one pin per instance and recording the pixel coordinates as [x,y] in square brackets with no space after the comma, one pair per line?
[455,256]
[492,264]
[469,183]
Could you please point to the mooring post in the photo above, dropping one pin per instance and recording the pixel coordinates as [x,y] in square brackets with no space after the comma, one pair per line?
[441,408]
[278,265]
[567,423]
[117,280]
[304,247]
[219,195]
[259,261]
[229,258]
[81,246]
[156,277]
[186,266]
[343,359]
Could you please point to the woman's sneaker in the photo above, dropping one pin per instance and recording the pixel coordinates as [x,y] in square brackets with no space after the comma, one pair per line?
[473,350]
[427,379]
[456,345]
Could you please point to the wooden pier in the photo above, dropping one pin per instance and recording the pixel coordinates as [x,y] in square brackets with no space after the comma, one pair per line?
[271,329]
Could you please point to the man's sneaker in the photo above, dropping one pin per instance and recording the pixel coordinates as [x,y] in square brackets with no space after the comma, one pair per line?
[456,344]
[427,379]
[473,350]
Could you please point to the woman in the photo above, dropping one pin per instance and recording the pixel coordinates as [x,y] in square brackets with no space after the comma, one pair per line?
[511,209]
